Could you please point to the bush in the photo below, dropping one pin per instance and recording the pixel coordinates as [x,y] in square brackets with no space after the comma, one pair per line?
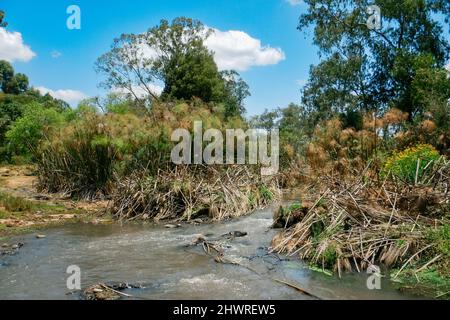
[411,164]
[80,159]
[26,133]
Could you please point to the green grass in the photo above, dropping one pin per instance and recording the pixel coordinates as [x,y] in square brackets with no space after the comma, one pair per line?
[15,204]
[433,281]
[265,193]
[429,282]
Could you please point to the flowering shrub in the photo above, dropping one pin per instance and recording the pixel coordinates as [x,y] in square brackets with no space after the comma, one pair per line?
[412,162]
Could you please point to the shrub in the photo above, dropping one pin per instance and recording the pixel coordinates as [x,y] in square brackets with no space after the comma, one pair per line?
[81,158]
[411,164]
[26,133]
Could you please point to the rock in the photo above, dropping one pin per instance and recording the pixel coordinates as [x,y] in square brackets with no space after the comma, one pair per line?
[5,245]
[172,226]
[41,197]
[41,236]
[15,247]
[234,234]
[239,234]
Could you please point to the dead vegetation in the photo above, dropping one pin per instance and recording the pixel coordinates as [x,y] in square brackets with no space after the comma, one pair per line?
[189,192]
[112,291]
[361,221]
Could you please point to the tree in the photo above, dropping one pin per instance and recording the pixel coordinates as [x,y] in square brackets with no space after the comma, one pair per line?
[268,120]
[17,85]
[173,54]
[371,68]
[236,91]
[127,69]
[6,74]
[12,83]
[3,24]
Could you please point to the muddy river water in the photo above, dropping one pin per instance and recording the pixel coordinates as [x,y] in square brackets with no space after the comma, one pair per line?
[157,258]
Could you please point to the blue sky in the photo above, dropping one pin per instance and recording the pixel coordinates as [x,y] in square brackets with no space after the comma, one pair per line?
[62,60]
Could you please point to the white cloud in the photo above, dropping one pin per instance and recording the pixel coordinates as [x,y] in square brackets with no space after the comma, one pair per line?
[448,66]
[239,51]
[142,92]
[294,2]
[55,54]
[12,47]
[70,96]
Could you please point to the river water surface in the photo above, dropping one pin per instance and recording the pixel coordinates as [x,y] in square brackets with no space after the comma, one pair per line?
[158,259]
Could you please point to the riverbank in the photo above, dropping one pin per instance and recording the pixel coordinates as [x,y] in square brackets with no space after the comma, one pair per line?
[24,210]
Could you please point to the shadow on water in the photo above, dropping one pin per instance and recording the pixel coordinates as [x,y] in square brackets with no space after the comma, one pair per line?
[159,260]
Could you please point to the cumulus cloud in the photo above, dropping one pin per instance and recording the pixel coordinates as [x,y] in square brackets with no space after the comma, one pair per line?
[142,92]
[239,51]
[12,47]
[70,96]
[294,2]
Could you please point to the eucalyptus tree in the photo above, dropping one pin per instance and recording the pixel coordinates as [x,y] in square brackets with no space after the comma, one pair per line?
[372,66]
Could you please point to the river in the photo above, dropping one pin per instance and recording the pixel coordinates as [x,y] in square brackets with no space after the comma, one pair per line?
[158,259]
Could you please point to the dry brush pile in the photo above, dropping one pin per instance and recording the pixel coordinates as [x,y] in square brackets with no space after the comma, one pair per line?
[367,220]
[186,192]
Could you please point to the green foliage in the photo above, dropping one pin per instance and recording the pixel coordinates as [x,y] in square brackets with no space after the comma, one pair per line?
[26,133]
[265,193]
[329,257]
[411,162]
[441,239]
[83,156]
[13,108]
[6,74]
[352,119]
[14,204]
[367,69]
[291,208]
[184,65]
[12,83]
[236,91]
[78,160]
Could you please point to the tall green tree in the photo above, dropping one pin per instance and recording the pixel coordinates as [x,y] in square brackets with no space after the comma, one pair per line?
[236,91]
[173,54]
[367,67]
[9,82]
[6,74]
